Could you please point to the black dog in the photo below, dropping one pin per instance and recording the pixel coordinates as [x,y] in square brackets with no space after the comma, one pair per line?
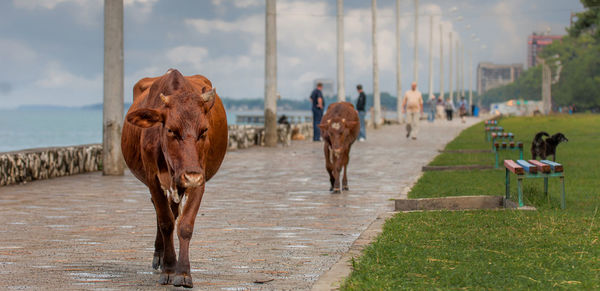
[545,148]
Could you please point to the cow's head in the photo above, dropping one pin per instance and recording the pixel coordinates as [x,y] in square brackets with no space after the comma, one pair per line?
[336,131]
[181,113]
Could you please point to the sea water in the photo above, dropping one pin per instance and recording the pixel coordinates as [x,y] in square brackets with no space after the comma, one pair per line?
[36,128]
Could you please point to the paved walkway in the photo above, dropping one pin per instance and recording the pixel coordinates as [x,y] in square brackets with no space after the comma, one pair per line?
[266,215]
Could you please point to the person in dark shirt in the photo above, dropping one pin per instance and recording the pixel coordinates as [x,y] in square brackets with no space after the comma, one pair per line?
[361,103]
[318,104]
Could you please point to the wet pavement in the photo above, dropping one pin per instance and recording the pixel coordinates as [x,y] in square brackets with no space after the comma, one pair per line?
[266,216]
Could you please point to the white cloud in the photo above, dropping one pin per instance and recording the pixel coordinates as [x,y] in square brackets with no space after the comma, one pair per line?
[239,3]
[47,4]
[253,24]
[187,55]
[55,76]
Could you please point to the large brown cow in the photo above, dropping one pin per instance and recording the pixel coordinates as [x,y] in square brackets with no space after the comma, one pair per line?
[339,129]
[174,140]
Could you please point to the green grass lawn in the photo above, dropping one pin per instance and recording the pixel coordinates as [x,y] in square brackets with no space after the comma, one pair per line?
[505,249]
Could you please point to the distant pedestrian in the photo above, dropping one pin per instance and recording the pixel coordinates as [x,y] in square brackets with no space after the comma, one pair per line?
[413,104]
[361,103]
[439,106]
[431,111]
[449,106]
[462,109]
[318,104]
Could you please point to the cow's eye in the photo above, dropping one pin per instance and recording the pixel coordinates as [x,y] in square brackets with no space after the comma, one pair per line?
[202,133]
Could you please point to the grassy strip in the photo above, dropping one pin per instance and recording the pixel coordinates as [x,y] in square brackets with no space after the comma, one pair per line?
[543,249]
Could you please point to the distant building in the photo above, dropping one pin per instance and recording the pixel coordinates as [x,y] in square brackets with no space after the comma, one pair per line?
[535,44]
[327,86]
[490,75]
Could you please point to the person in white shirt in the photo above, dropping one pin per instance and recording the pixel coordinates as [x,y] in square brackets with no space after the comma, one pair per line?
[413,104]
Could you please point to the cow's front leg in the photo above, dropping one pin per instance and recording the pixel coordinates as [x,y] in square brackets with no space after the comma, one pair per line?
[336,176]
[158,243]
[166,223]
[185,228]
[329,164]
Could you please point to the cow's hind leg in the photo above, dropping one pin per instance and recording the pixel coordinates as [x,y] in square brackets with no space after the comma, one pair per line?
[185,229]
[345,180]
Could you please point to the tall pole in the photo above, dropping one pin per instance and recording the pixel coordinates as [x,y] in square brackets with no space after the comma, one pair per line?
[270,75]
[398,67]
[416,52]
[376,97]
[112,114]
[462,70]
[451,89]
[457,71]
[470,79]
[341,92]
[441,62]
[430,56]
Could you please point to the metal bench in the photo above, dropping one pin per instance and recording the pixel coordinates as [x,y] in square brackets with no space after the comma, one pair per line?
[506,146]
[534,169]
[489,130]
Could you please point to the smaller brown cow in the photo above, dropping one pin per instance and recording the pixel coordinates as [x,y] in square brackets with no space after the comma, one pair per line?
[339,129]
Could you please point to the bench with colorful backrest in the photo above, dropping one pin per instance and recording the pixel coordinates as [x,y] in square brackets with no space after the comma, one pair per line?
[534,169]
[506,146]
[489,130]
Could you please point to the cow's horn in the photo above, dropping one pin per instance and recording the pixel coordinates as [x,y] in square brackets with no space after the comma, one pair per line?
[164,98]
[328,120]
[207,96]
[343,120]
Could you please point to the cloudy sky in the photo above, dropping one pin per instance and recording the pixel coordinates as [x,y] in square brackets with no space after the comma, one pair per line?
[51,51]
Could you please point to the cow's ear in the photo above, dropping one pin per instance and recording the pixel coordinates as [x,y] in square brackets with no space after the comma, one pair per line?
[323,127]
[351,124]
[208,99]
[145,117]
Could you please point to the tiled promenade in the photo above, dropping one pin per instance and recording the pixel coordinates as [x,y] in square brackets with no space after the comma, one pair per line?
[266,215]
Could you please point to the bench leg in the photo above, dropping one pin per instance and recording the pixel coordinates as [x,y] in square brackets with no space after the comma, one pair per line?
[507,183]
[546,189]
[496,165]
[563,203]
[520,187]
[520,153]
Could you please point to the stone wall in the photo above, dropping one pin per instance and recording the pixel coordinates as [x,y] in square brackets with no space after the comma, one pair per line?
[44,163]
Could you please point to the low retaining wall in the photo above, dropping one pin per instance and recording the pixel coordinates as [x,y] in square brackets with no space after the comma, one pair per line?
[44,163]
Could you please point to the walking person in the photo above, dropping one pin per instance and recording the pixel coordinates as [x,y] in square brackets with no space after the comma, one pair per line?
[462,109]
[449,109]
[431,111]
[361,103]
[413,104]
[440,107]
[318,104]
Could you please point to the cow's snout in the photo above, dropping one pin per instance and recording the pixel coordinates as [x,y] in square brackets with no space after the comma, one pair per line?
[192,179]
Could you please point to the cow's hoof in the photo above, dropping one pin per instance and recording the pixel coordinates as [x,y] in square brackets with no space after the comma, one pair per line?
[183,280]
[336,191]
[345,188]
[156,262]
[166,278]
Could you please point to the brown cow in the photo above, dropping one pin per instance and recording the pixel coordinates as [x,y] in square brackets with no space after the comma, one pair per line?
[174,140]
[339,129]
